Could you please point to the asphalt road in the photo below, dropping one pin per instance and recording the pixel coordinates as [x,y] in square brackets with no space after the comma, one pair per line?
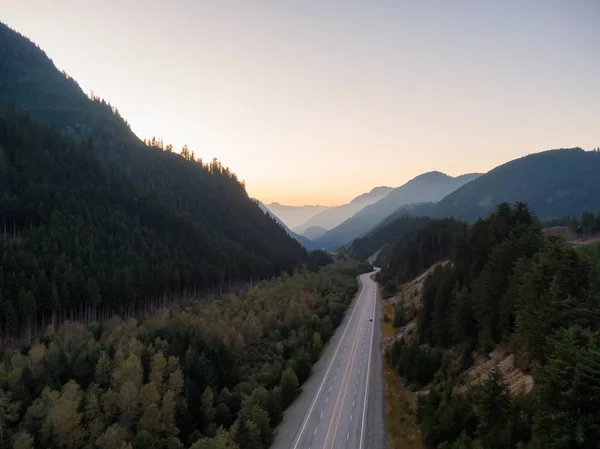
[341,405]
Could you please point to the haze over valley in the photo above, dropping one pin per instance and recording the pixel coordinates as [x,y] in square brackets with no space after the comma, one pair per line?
[299,225]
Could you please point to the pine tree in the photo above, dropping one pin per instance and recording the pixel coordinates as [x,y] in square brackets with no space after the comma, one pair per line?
[493,405]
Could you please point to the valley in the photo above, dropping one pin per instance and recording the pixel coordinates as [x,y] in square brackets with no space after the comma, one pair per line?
[303,227]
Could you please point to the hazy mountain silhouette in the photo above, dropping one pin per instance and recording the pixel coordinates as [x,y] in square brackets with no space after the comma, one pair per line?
[314,232]
[333,216]
[304,241]
[554,184]
[294,216]
[428,187]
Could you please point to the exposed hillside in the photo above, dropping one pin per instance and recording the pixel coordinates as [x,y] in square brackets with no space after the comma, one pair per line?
[294,216]
[333,216]
[428,187]
[532,301]
[177,223]
[305,242]
[422,243]
[314,232]
[553,183]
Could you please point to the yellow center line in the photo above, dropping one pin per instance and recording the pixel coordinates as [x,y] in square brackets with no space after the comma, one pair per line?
[345,390]
[348,372]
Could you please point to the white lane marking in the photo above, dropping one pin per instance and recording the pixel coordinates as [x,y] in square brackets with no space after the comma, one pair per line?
[315,432]
[334,378]
[347,436]
[352,403]
[350,418]
[362,427]
[326,399]
[329,389]
[327,372]
[321,415]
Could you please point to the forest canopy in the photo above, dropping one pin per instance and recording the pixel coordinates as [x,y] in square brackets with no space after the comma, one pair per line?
[209,374]
[79,241]
[507,286]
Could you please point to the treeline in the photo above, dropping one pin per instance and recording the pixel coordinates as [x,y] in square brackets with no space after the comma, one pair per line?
[204,196]
[423,244]
[538,297]
[586,224]
[206,375]
[77,241]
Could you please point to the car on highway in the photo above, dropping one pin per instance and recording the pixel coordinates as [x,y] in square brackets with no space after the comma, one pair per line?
[370,319]
[374,290]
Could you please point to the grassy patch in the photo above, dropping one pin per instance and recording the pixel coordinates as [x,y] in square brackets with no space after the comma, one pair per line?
[401,413]
[387,327]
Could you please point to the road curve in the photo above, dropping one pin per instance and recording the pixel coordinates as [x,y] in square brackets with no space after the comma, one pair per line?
[341,405]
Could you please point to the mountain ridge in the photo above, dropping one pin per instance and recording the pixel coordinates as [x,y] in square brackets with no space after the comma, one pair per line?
[335,215]
[294,216]
[314,232]
[206,197]
[554,183]
[304,241]
[426,187]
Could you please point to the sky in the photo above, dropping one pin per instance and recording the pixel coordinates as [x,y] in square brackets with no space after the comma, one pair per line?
[316,102]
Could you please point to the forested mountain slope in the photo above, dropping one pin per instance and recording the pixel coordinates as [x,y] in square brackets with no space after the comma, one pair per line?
[553,183]
[385,236]
[75,237]
[428,187]
[93,220]
[506,286]
[420,243]
[217,205]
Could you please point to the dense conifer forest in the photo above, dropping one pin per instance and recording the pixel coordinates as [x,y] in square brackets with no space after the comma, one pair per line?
[386,236]
[506,286]
[93,221]
[422,243]
[205,374]
[79,242]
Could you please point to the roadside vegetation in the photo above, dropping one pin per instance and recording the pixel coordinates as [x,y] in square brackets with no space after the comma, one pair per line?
[508,288]
[204,375]
[403,430]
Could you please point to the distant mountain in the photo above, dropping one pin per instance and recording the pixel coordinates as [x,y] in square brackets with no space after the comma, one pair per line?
[305,242]
[553,183]
[314,232]
[333,216]
[428,187]
[294,216]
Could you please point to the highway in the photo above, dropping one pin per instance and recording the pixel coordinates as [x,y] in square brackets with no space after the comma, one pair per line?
[341,405]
